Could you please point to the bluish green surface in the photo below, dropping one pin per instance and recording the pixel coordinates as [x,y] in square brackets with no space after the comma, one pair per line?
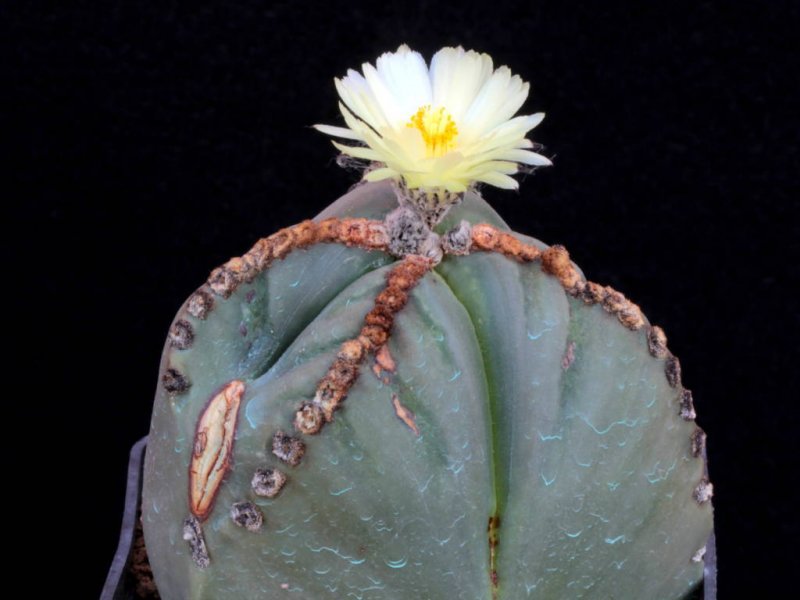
[589,467]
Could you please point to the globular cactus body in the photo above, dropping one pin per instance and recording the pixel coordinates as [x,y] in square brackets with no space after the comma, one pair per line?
[511,440]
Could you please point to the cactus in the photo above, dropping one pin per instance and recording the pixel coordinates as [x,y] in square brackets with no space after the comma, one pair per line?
[514,438]
[408,403]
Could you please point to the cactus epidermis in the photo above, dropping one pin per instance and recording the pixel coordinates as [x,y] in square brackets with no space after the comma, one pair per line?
[511,440]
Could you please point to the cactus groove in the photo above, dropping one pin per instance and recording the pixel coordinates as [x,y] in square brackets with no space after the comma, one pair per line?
[523,433]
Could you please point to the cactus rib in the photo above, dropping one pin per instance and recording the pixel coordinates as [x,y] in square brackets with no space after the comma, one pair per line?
[361,233]
[342,374]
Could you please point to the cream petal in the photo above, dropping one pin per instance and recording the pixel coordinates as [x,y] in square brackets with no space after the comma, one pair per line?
[505,134]
[395,116]
[353,122]
[371,103]
[357,151]
[526,157]
[342,132]
[489,99]
[456,77]
[406,77]
[524,122]
[370,137]
[499,180]
[448,162]
[513,102]
[499,166]
[355,93]
[393,154]
[434,180]
[456,186]
[380,174]
[409,141]
[503,104]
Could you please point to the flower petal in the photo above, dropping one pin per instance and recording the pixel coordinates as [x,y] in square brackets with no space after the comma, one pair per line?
[481,115]
[355,93]
[456,77]
[355,124]
[357,151]
[405,75]
[396,153]
[395,115]
[509,132]
[380,174]
[342,132]
[526,157]
[499,180]
[493,166]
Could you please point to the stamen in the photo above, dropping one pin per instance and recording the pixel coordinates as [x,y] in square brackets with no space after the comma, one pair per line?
[437,128]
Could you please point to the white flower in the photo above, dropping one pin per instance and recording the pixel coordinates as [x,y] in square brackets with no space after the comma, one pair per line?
[437,129]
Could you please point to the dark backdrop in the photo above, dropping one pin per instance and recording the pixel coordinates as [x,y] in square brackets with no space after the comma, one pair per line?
[151,141]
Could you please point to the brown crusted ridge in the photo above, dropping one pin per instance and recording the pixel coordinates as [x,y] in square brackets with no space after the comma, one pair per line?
[343,373]
[361,233]
[488,238]
[657,342]
[612,301]
[555,261]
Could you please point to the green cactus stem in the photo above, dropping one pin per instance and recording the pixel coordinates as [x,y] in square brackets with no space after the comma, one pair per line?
[363,407]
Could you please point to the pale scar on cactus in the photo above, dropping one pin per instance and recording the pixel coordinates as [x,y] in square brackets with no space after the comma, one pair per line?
[213,448]
[404,399]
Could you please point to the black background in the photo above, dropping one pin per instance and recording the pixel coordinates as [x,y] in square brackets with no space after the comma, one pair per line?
[150,141]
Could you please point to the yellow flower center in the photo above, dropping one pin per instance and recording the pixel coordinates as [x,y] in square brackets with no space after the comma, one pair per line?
[437,128]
